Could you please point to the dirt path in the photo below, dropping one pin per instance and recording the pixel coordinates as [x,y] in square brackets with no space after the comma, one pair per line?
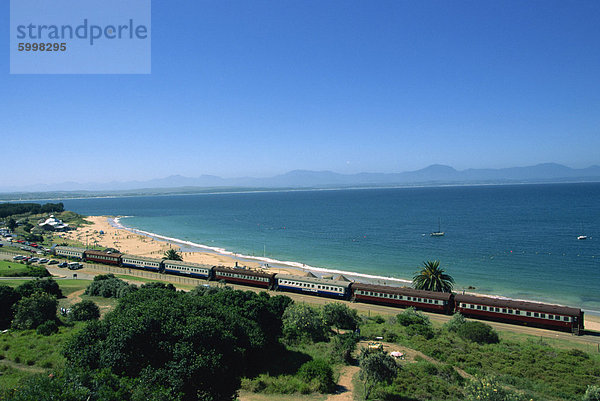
[345,390]
[14,365]
[75,297]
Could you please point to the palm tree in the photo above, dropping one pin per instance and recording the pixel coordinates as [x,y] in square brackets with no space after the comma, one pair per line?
[172,254]
[433,278]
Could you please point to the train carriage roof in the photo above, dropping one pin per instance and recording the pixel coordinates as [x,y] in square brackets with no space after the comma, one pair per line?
[410,292]
[248,272]
[142,258]
[102,253]
[313,280]
[520,305]
[69,248]
[187,264]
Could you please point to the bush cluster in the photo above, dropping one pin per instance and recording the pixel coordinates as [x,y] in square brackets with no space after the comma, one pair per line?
[109,286]
[478,332]
[84,310]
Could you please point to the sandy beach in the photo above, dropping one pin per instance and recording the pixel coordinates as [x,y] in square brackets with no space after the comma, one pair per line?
[101,233]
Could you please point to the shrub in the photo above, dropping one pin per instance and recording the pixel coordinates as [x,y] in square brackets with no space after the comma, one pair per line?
[455,323]
[47,328]
[420,330]
[303,321]
[410,316]
[489,389]
[478,332]
[45,285]
[156,284]
[108,286]
[35,310]
[8,297]
[339,315]
[592,394]
[84,310]
[319,371]
[343,345]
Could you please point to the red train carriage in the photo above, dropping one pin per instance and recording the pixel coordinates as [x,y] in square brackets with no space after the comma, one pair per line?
[109,258]
[243,276]
[528,313]
[405,297]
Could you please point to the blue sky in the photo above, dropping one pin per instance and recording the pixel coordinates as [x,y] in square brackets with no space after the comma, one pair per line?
[263,87]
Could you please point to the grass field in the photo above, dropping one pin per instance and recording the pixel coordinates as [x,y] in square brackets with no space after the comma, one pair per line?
[8,269]
[23,353]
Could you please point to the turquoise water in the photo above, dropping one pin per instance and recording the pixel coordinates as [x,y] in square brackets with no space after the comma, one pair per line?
[518,241]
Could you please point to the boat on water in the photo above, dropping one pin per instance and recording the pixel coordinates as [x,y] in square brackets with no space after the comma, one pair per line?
[439,232]
[582,237]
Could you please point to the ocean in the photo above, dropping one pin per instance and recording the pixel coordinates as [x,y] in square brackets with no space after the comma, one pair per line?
[518,241]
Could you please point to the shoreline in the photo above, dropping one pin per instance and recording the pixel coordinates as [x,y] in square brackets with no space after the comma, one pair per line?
[144,243]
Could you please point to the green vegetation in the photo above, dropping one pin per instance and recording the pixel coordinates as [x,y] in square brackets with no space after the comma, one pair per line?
[16,269]
[340,316]
[84,311]
[109,286]
[433,278]
[8,298]
[45,285]
[303,322]
[536,369]
[32,311]
[11,209]
[376,368]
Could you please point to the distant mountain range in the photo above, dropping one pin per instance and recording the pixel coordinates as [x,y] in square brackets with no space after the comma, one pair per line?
[433,175]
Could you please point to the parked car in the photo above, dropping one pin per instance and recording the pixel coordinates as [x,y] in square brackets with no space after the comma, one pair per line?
[74,266]
[63,264]
[18,257]
[33,260]
[44,260]
[53,262]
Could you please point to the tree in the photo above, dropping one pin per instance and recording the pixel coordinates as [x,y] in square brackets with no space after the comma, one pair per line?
[11,224]
[194,346]
[320,372]
[339,315]
[433,278]
[32,311]
[84,310]
[172,254]
[301,321]
[376,367]
[46,285]
[478,332]
[8,297]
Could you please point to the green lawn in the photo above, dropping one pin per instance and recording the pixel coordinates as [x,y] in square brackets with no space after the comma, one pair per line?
[25,352]
[8,269]
[67,286]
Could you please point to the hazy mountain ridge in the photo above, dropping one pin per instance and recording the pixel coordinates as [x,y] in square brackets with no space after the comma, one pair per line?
[432,175]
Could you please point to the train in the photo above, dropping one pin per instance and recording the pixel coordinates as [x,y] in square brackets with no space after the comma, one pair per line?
[548,316]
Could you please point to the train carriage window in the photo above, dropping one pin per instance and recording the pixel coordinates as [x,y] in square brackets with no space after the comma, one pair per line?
[503,310]
[485,308]
[528,313]
[517,312]
[463,305]
[478,306]
[556,317]
[551,317]
[510,311]
[566,318]
[543,315]
[535,314]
